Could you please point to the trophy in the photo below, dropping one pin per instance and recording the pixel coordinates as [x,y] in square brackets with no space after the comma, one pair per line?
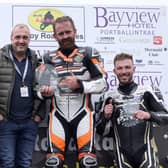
[129,105]
[46,75]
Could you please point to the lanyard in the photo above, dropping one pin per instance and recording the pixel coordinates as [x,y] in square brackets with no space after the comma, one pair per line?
[17,69]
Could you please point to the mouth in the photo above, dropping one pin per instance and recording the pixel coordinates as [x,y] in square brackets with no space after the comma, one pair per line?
[21,46]
[67,44]
[123,76]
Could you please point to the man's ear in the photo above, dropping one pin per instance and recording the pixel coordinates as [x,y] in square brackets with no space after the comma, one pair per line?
[134,68]
[75,30]
[54,36]
[114,71]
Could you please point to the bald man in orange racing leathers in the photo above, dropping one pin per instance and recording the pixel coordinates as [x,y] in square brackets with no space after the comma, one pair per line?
[78,74]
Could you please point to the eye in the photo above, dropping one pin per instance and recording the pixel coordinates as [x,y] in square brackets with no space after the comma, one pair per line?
[66,32]
[23,37]
[17,37]
[127,67]
[119,68]
[60,34]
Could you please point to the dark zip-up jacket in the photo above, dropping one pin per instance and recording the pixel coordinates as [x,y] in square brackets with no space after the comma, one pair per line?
[7,78]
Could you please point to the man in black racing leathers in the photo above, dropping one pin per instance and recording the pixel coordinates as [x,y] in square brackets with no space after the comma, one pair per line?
[131,109]
[75,73]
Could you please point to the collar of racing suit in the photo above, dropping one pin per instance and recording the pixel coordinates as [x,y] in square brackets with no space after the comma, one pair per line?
[127,88]
[67,51]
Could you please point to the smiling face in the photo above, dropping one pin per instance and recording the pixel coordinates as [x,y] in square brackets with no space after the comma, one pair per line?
[124,70]
[20,38]
[65,34]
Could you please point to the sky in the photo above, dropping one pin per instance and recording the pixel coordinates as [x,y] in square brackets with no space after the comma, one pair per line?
[90,2]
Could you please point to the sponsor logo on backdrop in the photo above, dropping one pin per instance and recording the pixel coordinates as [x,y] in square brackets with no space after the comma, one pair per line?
[155,52]
[126,25]
[139,62]
[42,19]
[157,40]
[155,62]
[127,21]
[105,40]
[141,78]
[133,40]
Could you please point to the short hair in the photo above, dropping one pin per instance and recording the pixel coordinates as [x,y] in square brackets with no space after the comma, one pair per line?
[122,56]
[20,25]
[63,19]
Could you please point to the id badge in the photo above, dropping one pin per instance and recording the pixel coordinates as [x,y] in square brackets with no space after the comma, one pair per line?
[24,91]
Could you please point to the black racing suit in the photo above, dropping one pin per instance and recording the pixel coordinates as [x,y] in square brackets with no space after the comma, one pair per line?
[72,113]
[134,142]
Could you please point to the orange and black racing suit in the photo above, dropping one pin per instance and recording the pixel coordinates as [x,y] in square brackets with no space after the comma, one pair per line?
[134,142]
[72,113]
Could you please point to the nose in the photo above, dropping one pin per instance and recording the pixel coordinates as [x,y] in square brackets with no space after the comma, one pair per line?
[123,70]
[21,40]
[65,35]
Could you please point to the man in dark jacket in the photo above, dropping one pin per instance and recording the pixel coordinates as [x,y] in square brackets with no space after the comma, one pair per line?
[18,122]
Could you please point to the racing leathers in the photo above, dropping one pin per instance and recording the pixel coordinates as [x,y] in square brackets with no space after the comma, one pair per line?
[134,141]
[71,112]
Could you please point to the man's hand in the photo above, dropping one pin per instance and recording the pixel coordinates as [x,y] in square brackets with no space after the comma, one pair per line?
[142,115]
[1,117]
[108,110]
[47,91]
[70,82]
[37,118]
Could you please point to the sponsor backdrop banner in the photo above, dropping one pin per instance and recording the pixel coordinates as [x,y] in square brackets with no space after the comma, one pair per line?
[141,31]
